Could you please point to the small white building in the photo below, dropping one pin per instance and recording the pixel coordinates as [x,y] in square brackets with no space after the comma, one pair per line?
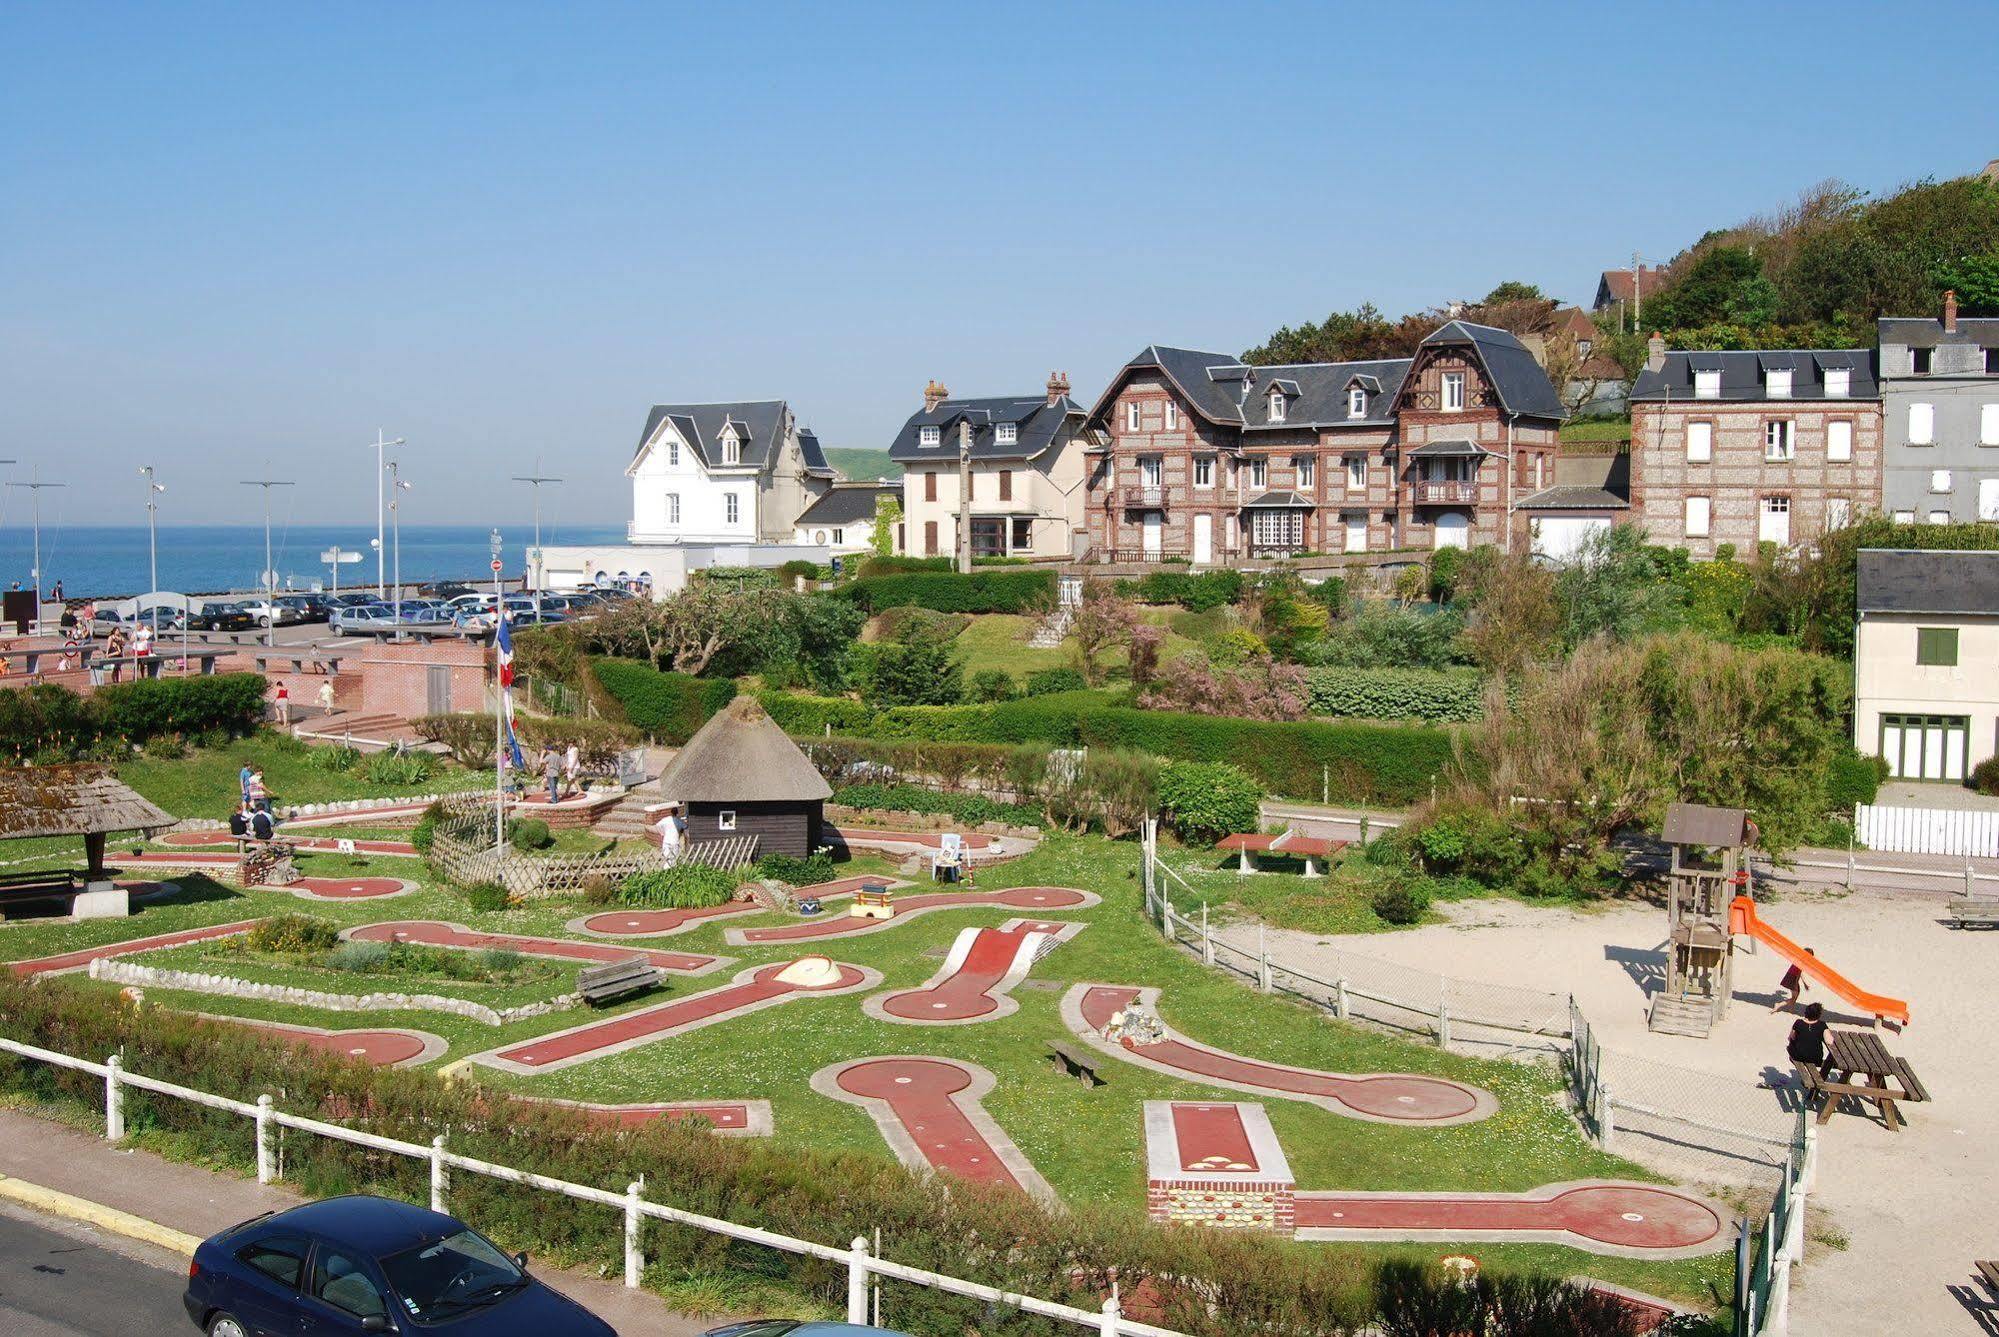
[1926,661]
[724,473]
[660,569]
[843,520]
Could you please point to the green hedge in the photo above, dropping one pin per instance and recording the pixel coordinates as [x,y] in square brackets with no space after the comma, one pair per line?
[667,706]
[806,716]
[970,808]
[1453,696]
[1389,764]
[993,591]
[50,723]
[1852,779]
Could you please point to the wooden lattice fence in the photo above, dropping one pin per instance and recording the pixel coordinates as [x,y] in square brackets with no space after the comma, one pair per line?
[463,849]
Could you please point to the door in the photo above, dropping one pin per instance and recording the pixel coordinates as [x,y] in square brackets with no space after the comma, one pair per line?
[343,1294]
[1988,498]
[1204,538]
[929,538]
[1925,747]
[437,689]
[267,1300]
[1453,530]
[1775,521]
[1356,533]
[1155,527]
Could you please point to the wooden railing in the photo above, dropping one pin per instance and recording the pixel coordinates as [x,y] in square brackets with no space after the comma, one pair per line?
[1450,493]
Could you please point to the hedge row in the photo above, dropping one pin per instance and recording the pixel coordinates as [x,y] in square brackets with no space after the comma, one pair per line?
[1001,591]
[667,706]
[1454,696]
[975,809]
[47,722]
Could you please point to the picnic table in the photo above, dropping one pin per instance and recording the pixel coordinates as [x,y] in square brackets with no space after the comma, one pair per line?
[1852,1056]
[1246,845]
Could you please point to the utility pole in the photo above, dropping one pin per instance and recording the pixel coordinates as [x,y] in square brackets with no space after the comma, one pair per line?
[269,578]
[535,480]
[397,484]
[964,496]
[35,490]
[381,553]
[153,490]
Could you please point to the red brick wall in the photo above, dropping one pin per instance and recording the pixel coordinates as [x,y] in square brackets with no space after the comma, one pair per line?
[395,678]
[1253,1205]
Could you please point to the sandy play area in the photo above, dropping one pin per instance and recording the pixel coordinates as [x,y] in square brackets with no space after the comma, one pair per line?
[1913,1207]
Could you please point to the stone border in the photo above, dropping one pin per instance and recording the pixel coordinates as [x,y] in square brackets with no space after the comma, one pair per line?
[1721,1240]
[760,1122]
[970,1103]
[870,979]
[117,970]
[714,963]
[434,1046]
[1485,1104]
[734,937]
[1001,992]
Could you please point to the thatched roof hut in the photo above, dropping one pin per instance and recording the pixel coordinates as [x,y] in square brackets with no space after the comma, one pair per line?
[740,775]
[74,800]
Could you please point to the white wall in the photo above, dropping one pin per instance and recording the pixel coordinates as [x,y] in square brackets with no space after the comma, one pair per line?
[703,504]
[1889,681]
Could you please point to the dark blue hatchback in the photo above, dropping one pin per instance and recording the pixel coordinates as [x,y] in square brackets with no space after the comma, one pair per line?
[371,1265]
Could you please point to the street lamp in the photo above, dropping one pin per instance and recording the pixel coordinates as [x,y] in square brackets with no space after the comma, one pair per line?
[535,480]
[381,446]
[269,577]
[35,488]
[398,484]
[153,489]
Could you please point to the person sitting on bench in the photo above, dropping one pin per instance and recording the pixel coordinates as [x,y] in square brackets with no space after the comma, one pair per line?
[261,826]
[239,823]
[1806,1045]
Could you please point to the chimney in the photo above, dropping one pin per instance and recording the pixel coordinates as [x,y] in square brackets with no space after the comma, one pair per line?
[1949,311]
[933,395]
[1058,387]
[1655,352]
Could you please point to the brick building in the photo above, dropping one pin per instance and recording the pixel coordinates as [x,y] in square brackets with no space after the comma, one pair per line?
[1746,447]
[1198,455]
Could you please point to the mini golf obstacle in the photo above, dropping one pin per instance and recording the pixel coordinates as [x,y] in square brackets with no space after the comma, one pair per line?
[457,937]
[930,1113]
[1220,1164]
[1033,899]
[208,840]
[664,923]
[977,978]
[1089,1009]
[753,990]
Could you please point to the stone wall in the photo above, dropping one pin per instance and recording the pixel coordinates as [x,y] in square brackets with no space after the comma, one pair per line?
[119,971]
[1250,1205]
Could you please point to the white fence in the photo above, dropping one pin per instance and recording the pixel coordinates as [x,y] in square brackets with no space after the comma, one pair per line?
[1960,832]
[1764,1257]
[861,1264]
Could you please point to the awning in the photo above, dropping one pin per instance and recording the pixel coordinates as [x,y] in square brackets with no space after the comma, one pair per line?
[1281,501]
[1448,450]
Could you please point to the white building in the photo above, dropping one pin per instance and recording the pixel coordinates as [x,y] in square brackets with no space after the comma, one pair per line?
[843,520]
[1926,661]
[724,473]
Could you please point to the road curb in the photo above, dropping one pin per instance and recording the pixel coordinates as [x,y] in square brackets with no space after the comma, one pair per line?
[96,1214]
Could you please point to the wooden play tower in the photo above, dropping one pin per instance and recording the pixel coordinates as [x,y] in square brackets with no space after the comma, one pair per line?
[1710,868]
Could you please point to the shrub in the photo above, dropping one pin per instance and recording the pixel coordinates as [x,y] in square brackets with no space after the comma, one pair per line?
[667,707]
[167,747]
[468,736]
[426,828]
[1985,776]
[293,933]
[1113,790]
[334,759]
[598,890]
[972,809]
[1400,902]
[798,872]
[896,566]
[528,834]
[399,770]
[1852,778]
[1206,800]
[993,685]
[1046,682]
[598,742]
[797,569]
[920,624]
[684,886]
[912,673]
[1349,762]
[1378,636]
[1006,590]
[1234,648]
[810,716]
[487,898]
[1445,695]
[231,702]
[359,957]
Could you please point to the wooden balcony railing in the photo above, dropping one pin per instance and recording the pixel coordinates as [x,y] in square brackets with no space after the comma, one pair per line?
[1426,493]
[1145,498]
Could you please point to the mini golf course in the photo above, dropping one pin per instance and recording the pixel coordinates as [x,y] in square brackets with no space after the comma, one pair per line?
[978,976]
[438,933]
[81,959]
[929,1113]
[662,923]
[909,907]
[394,849]
[388,1047]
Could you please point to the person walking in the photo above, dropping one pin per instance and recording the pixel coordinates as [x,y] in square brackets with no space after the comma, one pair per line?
[283,704]
[572,769]
[326,696]
[551,771]
[55,595]
[672,835]
[243,783]
[1792,984]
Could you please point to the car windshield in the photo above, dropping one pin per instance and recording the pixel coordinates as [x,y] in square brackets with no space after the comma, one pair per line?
[457,1273]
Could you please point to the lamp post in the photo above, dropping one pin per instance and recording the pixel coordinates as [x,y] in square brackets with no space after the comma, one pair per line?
[269,577]
[153,490]
[397,484]
[534,558]
[35,489]
[382,446]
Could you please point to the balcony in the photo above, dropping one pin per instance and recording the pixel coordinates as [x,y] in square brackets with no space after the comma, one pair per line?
[1145,498]
[1425,492]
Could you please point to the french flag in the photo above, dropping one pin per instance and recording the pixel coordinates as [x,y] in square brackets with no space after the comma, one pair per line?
[503,643]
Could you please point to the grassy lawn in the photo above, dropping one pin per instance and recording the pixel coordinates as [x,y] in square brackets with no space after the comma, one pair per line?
[999,641]
[1530,1141]
[1597,429]
[203,783]
[528,980]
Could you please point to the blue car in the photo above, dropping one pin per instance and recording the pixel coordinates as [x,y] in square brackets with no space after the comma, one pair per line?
[367,1265]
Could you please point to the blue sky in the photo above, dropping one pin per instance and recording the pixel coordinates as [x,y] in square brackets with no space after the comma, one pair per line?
[234,238]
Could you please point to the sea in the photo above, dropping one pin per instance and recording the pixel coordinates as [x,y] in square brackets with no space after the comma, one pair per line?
[99,561]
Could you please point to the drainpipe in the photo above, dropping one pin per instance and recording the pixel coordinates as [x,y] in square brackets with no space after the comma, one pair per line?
[1511,465]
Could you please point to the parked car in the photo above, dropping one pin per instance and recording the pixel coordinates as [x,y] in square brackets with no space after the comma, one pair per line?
[223,615]
[365,1264]
[351,599]
[304,607]
[360,617]
[272,612]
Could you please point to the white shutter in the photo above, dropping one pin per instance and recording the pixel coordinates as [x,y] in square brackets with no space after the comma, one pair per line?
[1988,424]
[1697,517]
[1922,424]
[1839,441]
[1988,498]
[1700,442]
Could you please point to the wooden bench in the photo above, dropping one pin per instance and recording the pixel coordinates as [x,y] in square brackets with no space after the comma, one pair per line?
[1073,1062]
[1907,1076]
[1966,911]
[1808,1077]
[1988,1272]
[615,979]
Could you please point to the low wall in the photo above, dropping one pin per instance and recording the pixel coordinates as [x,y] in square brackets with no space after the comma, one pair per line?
[119,971]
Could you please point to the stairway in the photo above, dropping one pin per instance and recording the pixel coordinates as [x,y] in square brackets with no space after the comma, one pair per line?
[1681,1014]
[1048,633]
[366,732]
[626,819]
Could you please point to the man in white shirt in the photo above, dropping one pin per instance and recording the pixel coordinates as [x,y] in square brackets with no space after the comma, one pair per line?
[672,833]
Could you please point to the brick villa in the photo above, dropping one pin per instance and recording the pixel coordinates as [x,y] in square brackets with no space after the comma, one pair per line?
[1198,455]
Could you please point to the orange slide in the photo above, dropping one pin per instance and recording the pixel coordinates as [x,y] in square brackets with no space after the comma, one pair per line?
[1742,918]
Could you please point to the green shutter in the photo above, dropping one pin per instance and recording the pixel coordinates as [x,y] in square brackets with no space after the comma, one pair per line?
[1937,646]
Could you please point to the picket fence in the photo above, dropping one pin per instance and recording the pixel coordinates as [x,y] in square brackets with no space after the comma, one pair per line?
[1963,833]
[862,1265]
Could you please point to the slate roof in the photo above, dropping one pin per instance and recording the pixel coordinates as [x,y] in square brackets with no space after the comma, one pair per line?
[700,425]
[1436,450]
[1523,387]
[1928,332]
[1949,582]
[1286,499]
[1742,373]
[741,755]
[1562,498]
[1225,391]
[848,504]
[815,457]
[1037,425]
[1616,285]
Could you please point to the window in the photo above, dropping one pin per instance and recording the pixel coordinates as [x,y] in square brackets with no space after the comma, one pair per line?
[282,1260]
[1454,392]
[673,508]
[929,538]
[1707,385]
[340,1282]
[929,436]
[1131,415]
[1992,360]
[1920,359]
[1940,481]
[1775,526]
[1936,646]
[1277,406]
[1838,512]
[725,819]
[1539,462]
[1778,445]
[1257,473]
[1356,473]
[1838,382]
[1697,517]
[1839,441]
[930,485]
[1172,416]
[1151,471]
[1777,383]
[1006,485]
[1308,470]
[1006,434]
[1938,518]
[732,508]
[1023,533]
[1905,517]
[1988,424]
[839,537]
[1204,471]
[1700,442]
[1356,403]
[672,454]
[732,452]
[1922,424]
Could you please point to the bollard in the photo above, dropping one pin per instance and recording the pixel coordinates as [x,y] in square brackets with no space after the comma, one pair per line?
[266,1154]
[857,1281]
[1207,943]
[1443,1026]
[1340,1008]
[634,1259]
[114,1100]
[437,1173]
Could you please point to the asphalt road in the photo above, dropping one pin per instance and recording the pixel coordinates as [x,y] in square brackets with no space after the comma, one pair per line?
[58,1279]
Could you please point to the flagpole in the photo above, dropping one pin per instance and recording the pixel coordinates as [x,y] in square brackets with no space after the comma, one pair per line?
[499,716]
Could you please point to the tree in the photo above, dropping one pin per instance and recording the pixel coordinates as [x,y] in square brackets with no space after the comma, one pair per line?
[913,673]
[1412,582]
[1513,290]
[1612,587]
[1103,619]
[689,630]
[1514,615]
[1260,689]
[1975,280]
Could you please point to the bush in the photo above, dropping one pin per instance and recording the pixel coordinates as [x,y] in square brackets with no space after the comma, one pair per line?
[667,707]
[684,886]
[993,685]
[1377,636]
[397,770]
[293,933]
[359,957]
[797,569]
[1206,800]
[1197,594]
[231,702]
[912,673]
[1234,648]
[425,832]
[1400,902]
[1381,764]
[971,809]
[168,747]
[896,566]
[467,735]
[1007,590]
[1112,791]
[598,742]
[487,898]
[1852,778]
[920,624]
[599,890]
[1985,776]
[810,716]
[798,872]
[1453,696]
[1046,682]
[333,759]
[528,834]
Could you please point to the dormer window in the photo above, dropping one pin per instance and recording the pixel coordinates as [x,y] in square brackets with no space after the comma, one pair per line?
[1777,383]
[1277,406]
[1707,384]
[672,453]
[1356,403]
[929,436]
[1919,360]
[732,451]
[1454,392]
[1838,382]
[1006,433]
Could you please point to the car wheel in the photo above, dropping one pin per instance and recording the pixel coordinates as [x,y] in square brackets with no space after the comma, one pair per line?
[264,622]
[226,1325]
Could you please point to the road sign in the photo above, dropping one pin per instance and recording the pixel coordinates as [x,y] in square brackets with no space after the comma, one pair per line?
[496,565]
[339,555]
